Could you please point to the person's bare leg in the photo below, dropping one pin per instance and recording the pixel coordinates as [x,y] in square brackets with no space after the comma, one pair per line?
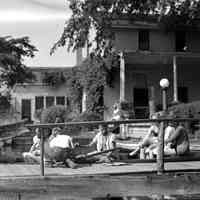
[70,163]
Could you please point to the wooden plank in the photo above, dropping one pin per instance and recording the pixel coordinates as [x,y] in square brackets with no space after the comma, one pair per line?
[21,170]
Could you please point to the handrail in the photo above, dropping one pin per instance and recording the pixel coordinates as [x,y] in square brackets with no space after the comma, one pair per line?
[130,121]
[13,123]
[162,121]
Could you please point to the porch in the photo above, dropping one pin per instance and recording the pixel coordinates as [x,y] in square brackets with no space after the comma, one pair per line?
[137,80]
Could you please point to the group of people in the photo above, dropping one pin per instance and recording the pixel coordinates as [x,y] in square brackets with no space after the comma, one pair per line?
[59,147]
[176,141]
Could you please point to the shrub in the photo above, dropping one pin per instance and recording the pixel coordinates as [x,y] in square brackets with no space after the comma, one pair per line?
[50,114]
[187,110]
[82,117]
[191,109]
[4,102]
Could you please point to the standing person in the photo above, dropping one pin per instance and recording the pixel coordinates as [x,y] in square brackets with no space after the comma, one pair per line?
[179,140]
[59,148]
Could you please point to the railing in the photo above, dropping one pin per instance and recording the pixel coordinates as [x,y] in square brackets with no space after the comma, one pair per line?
[160,156]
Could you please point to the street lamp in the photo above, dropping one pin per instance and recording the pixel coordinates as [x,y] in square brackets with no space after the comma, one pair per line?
[164,84]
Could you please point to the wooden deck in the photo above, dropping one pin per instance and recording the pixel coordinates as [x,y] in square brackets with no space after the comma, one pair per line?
[28,170]
[98,180]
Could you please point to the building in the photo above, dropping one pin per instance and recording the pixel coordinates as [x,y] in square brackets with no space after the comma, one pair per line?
[29,97]
[147,54]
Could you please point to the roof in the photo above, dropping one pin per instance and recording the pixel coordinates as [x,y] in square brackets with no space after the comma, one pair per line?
[50,68]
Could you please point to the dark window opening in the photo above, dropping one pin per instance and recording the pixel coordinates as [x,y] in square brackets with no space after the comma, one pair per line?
[60,100]
[180,37]
[143,40]
[39,102]
[26,109]
[183,94]
[141,102]
[67,101]
[49,101]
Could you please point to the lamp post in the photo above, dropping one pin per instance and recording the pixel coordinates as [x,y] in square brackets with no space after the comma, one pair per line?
[164,84]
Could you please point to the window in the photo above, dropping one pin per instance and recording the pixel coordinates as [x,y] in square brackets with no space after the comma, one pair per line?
[60,100]
[143,40]
[39,102]
[183,94]
[180,39]
[49,101]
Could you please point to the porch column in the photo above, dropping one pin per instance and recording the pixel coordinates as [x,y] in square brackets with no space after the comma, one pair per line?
[152,107]
[122,77]
[84,100]
[44,102]
[175,81]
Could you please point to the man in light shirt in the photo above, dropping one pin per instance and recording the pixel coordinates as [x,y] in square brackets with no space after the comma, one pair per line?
[58,140]
[60,148]
[104,140]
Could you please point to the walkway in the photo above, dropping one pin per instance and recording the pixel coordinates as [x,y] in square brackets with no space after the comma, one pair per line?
[27,170]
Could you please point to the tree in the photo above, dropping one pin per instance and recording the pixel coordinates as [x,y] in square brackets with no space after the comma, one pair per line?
[97,15]
[94,18]
[12,53]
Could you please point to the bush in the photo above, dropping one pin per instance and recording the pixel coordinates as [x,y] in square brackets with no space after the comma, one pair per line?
[190,110]
[82,117]
[187,110]
[4,102]
[50,114]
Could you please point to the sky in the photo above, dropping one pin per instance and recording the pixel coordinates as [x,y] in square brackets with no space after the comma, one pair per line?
[41,20]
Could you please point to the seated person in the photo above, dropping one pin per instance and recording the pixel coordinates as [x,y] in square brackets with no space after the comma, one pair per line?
[149,142]
[179,140]
[176,142]
[59,148]
[33,155]
[104,140]
[169,131]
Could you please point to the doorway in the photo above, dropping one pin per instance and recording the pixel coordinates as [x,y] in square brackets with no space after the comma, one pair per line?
[141,99]
[26,109]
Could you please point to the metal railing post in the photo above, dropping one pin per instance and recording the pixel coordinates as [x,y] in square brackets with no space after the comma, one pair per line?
[160,156]
[42,153]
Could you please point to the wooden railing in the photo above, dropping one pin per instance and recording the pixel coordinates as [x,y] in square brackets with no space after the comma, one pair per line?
[160,156]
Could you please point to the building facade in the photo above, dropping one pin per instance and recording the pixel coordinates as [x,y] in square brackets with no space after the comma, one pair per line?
[27,98]
[148,53]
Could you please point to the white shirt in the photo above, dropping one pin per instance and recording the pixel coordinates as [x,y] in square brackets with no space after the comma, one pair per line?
[62,141]
[169,130]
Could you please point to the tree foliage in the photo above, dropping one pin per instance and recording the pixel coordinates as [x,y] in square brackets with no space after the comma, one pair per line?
[54,78]
[94,18]
[12,53]
[93,75]
[97,15]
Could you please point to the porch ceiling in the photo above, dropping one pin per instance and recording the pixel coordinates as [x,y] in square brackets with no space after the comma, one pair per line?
[149,57]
